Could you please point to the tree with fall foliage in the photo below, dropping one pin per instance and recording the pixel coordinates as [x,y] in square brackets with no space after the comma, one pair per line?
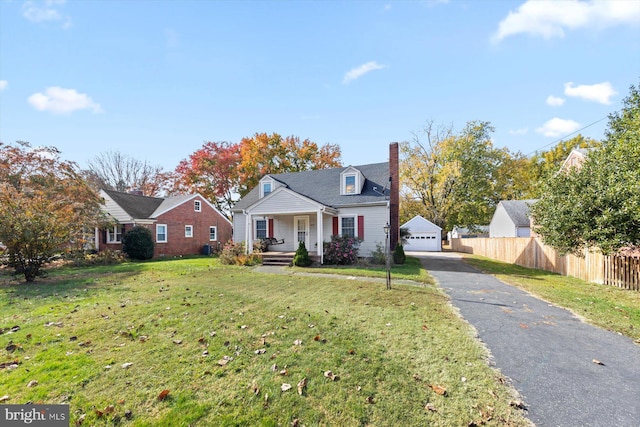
[263,154]
[456,179]
[211,171]
[598,204]
[45,206]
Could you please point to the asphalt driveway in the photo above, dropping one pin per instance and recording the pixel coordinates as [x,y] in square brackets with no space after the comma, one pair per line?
[568,373]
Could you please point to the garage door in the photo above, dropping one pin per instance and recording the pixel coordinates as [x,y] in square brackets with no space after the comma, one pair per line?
[422,242]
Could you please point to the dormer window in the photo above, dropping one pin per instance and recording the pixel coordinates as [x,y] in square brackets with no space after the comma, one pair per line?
[350,184]
[266,187]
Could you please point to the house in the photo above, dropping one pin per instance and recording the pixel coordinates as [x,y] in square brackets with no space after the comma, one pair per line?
[181,225]
[469,232]
[575,159]
[511,219]
[424,235]
[311,206]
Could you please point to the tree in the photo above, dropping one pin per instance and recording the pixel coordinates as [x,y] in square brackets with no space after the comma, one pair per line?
[211,171]
[453,179]
[45,206]
[597,205]
[113,170]
[264,154]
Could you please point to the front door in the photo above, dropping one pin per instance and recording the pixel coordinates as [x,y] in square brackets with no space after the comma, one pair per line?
[301,230]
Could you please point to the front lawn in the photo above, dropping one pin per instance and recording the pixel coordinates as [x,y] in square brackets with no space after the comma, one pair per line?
[191,342]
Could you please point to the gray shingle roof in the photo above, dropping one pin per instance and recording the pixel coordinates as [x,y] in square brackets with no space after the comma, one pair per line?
[323,186]
[136,206]
[518,211]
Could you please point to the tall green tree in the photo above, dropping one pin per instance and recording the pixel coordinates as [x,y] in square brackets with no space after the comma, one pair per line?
[45,206]
[597,205]
[455,179]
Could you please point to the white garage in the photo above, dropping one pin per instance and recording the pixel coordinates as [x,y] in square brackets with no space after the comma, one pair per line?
[425,235]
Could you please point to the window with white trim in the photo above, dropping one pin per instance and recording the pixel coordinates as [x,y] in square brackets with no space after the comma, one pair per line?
[350,184]
[213,233]
[188,231]
[261,229]
[161,233]
[114,234]
[348,226]
[197,205]
[266,189]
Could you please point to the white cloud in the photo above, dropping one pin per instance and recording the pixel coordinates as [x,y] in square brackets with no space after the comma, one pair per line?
[555,101]
[599,92]
[518,131]
[63,101]
[46,11]
[360,71]
[550,18]
[3,84]
[558,127]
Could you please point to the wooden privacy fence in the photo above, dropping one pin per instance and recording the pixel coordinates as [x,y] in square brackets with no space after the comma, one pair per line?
[615,270]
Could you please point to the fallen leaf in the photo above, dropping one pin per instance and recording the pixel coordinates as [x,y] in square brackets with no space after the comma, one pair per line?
[430,407]
[301,386]
[284,372]
[205,353]
[163,395]
[317,338]
[127,365]
[597,362]
[32,383]
[331,375]
[295,423]
[128,414]
[255,389]
[178,342]
[518,404]
[524,326]
[285,387]
[99,413]
[297,342]
[109,409]
[261,351]
[4,398]
[370,400]
[80,419]
[438,389]
[425,327]
[274,367]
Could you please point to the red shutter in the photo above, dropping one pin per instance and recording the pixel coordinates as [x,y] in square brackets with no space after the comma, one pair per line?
[361,227]
[270,229]
[335,225]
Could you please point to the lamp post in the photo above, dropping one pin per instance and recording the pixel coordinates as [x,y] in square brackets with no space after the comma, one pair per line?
[387,257]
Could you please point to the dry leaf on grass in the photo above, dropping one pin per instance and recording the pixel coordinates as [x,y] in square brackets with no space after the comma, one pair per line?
[438,389]
[285,387]
[331,376]
[597,362]
[301,386]
[163,395]
[127,365]
[429,407]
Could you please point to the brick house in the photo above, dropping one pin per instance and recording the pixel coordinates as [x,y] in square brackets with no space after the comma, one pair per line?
[181,225]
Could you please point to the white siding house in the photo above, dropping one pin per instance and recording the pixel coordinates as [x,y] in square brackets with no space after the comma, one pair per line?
[511,219]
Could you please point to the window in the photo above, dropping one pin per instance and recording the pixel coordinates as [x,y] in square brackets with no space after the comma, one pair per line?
[266,189]
[188,231]
[114,235]
[161,233]
[350,184]
[213,233]
[348,226]
[197,205]
[261,229]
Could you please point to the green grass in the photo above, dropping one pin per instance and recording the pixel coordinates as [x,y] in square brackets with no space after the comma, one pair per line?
[609,307]
[410,270]
[79,326]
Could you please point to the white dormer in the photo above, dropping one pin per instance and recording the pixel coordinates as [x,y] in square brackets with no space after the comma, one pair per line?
[351,181]
[267,185]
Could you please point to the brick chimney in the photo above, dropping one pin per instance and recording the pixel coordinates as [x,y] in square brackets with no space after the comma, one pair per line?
[394,197]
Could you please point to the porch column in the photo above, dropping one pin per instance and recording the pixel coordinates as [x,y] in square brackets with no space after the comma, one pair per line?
[248,230]
[319,228]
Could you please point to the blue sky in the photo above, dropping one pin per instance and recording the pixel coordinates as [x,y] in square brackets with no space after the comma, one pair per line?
[155,79]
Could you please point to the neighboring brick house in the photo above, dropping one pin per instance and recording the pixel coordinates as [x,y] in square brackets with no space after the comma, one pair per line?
[181,225]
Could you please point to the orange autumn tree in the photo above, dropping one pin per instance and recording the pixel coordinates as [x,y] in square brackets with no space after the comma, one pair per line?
[45,206]
[264,154]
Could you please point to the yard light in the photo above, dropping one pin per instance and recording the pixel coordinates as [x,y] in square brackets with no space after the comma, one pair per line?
[386,229]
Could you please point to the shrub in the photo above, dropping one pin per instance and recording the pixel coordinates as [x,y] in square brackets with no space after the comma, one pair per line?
[379,257]
[341,250]
[137,243]
[234,254]
[84,258]
[399,256]
[301,259]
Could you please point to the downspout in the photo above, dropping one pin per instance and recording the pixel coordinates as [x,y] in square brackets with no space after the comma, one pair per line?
[247,231]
